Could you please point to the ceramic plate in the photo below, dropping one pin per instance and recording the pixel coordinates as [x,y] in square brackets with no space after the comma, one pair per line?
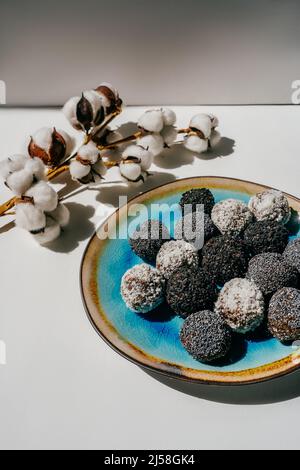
[154,344]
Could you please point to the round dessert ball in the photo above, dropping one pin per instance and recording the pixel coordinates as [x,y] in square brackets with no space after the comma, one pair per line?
[148,240]
[189,290]
[284,314]
[292,254]
[270,273]
[270,205]
[241,305]
[195,228]
[196,197]
[231,216]
[142,288]
[206,337]
[175,254]
[266,237]
[225,258]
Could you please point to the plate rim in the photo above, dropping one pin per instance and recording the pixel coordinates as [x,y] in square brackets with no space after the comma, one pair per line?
[256,375]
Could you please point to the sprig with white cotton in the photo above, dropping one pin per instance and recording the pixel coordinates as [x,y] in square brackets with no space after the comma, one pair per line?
[202,134]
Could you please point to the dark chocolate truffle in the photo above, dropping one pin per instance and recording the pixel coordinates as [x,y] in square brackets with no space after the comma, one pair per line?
[266,237]
[206,337]
[195,197]
[270,273]
[190,290]
[186,228]
[284,315]
[292,254]
[225,258]
[148,240]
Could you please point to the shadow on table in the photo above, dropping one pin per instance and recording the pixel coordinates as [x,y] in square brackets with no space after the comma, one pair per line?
[274,391]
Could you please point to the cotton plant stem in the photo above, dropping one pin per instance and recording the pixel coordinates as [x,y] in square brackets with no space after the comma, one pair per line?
[62,168]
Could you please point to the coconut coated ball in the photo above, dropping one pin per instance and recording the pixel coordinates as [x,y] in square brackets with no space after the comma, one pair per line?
[195,225]
[241,304]
[142,288]
[148,239]
[266,237]
[270,205]
[196,197]
[284,314]
[292,254]
[225,258]
[270,273]
[206,337]
[231,216]
[190,290]
[175,254]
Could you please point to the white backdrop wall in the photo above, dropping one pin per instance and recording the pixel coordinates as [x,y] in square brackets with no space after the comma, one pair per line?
[155,51]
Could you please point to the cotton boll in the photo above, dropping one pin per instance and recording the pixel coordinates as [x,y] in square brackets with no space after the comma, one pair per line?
[30,217]
[79,171]
[154,143]
[195,144]
[130,171]
[152,121]
[89,153]
[145,157]
[44,196]
[70,142]
[12,164]
[70,111]
[215,139]
[95,101]
[61,215]
[20,181]
[50,145]
[52,232]
[169,117]
[43,138]
[169,135]
[36,168]
[202,123]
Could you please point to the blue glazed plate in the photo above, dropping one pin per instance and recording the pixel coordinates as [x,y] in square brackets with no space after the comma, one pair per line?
[155,343]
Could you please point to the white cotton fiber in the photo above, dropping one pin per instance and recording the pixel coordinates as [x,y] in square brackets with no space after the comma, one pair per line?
[43,138]
[20,181]
[36,168]
[215,139]
[130,171]
[44,196]
[169,117]
[30,217]
[100,168]
[153,142]
[70,111]
[79,171]
[195,144]
[52,232]
[203,123]
[61,215]
[89,153]
[169,135]
[12,164]
[152,121]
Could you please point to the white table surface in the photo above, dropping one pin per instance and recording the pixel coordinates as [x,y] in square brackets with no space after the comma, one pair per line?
[62,387]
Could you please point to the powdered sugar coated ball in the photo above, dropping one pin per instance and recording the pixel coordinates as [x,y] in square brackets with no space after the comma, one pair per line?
[270,205]
[142,288]
[175,254]
[242,306]
[231,216]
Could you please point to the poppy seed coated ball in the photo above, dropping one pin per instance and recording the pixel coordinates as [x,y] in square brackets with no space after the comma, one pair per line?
[175,254]
[225,258]
[206,337]
[194,225]
[189,290]
[241,305]
[142,288]
[270,205]
[270,273]
[292,254]
[148,239]
[231,216]
[196,197]
[266,237]
[284,315]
